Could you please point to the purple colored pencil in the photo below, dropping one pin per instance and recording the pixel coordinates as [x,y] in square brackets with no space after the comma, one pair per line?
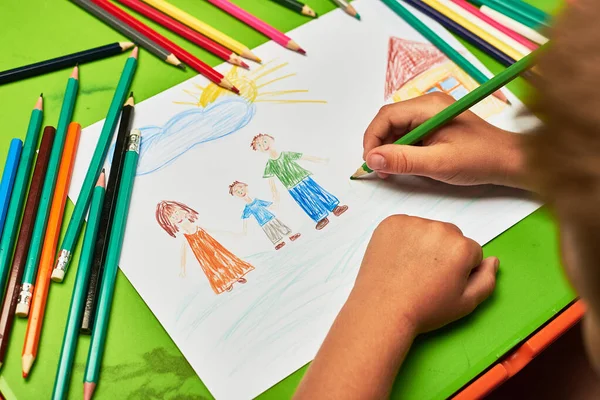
[462,32]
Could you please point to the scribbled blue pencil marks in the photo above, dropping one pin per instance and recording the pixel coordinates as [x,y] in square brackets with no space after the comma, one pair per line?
[162,145]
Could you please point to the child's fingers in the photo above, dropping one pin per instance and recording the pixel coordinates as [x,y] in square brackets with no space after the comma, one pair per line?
[412,160]
[399,118]
[481,283]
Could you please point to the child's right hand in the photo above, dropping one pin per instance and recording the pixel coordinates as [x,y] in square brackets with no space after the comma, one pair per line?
[422,274]
[467,151]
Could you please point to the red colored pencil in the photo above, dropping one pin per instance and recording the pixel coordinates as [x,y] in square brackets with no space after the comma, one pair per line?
[184,32]
[182,54]
[257,24]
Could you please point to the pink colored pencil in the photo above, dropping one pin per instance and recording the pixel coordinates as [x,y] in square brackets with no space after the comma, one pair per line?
[507,31]
[257,24]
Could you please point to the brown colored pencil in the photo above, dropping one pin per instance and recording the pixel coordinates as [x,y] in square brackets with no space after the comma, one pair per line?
[7,315]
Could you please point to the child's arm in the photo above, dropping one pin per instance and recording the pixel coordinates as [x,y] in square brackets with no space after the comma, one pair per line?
[183,258]
[314,159]
[467,151]
[274,192]
[417,275]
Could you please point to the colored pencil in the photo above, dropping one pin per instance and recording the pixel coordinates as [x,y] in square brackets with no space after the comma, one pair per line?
[484,25]
[13,216]
[516,26]
[441,44]
[462,105]
[475,29]
[42,283]
[462,32]
[41,220]
[348,8]
[185,32]
[298,7]
[203,28]
[260,25]
[92,368]
[508,9]
[490,21]
[69,343]
[9,174]
[530,10]
[188,58]
[93,172]
[70,60]
[106,219]
[127,31]
[11,294]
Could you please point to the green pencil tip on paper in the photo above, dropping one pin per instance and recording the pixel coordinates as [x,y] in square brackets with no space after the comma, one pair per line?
[357,16]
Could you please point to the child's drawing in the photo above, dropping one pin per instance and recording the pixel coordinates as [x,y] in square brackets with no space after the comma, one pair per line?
[221,267]
[416,68]
[316,202]
[217,113]
[275,230]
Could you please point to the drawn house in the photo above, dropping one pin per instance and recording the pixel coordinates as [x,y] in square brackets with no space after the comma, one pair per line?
[416,68]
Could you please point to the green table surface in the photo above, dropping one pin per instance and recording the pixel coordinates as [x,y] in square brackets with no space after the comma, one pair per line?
[141,361]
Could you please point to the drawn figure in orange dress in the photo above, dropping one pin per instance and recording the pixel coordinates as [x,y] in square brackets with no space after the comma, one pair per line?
[221,267]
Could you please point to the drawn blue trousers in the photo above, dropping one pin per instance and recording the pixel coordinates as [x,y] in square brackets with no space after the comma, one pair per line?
[314,200]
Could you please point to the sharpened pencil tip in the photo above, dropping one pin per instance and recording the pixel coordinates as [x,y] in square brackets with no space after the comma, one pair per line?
[235,90]
[39,104]
[88,390]
[181,66]
[75,73]
[134,52]
[357,16]
[302,51]
[244,65]
[131,94]
[42,94]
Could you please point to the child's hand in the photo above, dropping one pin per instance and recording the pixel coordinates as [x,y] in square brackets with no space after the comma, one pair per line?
[467,151]
[423,273]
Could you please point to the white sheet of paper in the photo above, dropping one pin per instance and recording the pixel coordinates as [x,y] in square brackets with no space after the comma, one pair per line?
[244,341]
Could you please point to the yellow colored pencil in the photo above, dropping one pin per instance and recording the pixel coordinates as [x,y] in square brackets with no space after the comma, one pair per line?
[203,28]
[503,47]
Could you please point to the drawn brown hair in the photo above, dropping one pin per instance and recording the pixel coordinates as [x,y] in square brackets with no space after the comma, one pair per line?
[564,154]
[257,137]
[232,186]
[165,209]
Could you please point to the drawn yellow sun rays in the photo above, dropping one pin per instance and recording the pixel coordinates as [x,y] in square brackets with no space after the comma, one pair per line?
[252,86]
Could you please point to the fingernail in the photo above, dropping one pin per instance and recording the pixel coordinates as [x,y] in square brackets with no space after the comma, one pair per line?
[376,162]
[496,265]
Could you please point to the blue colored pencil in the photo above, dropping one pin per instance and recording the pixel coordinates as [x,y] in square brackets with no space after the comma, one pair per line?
[8,177]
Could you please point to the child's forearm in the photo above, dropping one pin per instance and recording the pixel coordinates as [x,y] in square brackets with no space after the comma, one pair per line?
[361,355]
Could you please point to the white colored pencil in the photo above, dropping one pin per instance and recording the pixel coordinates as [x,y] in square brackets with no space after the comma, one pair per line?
[516,26]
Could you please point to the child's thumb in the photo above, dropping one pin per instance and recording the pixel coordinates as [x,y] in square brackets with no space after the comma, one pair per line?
[407,160]
[482,282]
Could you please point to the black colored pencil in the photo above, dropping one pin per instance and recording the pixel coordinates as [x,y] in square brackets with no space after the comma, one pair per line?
[70,60]
[298,7]
[106,217]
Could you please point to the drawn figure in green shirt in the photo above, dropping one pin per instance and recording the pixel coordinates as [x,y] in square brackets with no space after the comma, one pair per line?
[316,202]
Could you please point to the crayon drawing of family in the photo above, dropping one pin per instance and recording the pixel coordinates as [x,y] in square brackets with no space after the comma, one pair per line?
[221,267]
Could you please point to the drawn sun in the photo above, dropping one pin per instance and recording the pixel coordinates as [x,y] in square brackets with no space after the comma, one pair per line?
[252,86]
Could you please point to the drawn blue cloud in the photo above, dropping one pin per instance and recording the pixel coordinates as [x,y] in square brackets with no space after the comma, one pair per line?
[162,145]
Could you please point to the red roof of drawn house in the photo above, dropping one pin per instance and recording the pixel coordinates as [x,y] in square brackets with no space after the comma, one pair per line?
[406,60]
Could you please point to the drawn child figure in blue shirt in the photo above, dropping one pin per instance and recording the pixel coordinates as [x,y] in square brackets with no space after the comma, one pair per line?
[275,230]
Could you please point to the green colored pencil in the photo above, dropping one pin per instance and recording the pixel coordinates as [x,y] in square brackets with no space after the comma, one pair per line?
[69,344]
[462,105]
[111,266]
[441,44]
[510,9]
[530,10]
[108,130]
[41,219]
[17,199]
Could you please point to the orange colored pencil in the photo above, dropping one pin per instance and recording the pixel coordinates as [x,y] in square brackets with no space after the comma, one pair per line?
[42,284]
